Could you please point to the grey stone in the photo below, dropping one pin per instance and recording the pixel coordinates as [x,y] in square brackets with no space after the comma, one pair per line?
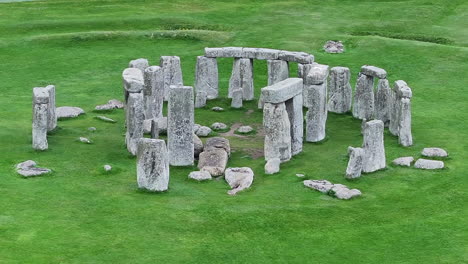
[39,127]
[340,91]
[92,129]
[244,129]
[133,81]
[322,186]
[219,126]
[51,110]
[333,47]
[162,125]
[153,92]
[106,119]
[111,104]
[317,74]
[242,78]
[200,99]
[237,98]
[84,140]
[213,52]
[197,146]
[180,126]
[260,53]
[40,95]
[200,175]
[107,167]
[355,163]
[278,70]
[343,192]
[135,115]
[196,127]
[152,165]
[296,119]
[373,145]
[374,71]
[218,143]
[29,169]
[140,64]
[316,116]
[154,129]
[434,152]
[26,165]
[303,69]
[203,131]
[295,56]
[403,161]
[405,137]
[277,129]
[272,166]
[300,175]
[147,124]
[217,109]
[364,97]
[213,160]
[400,90]
[282,91]
[383,101]
[429,164]
[68,111]
[239,179]
[172,73]
[206,76]
[231,52]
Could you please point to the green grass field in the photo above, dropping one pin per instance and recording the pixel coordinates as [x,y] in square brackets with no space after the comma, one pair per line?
[80,214]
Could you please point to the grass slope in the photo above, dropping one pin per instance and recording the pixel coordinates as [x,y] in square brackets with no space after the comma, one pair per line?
[80,214]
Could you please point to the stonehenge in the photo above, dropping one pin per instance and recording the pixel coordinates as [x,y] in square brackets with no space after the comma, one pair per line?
[206,76]
[153,92]
[135,116]
[315,99]
[242,78]
[172,73]
[44,116]
[340,91]
[152,165]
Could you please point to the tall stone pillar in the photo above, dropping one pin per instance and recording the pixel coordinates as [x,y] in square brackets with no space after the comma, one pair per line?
[373,145]
[278,70]
[277,132]
[206,77]
[315,99]
[172,72]
[296,120]
[152,165]
[135,116]
[364,97]
[340,91]
[383,101]
[51,109]
[153,92]
[40,118]
[242,78]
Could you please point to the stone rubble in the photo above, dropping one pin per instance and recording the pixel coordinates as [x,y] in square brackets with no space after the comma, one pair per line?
[333,47]
[239,179]
[272,166]
[203,131]
[111,104]
[200,175]
[429,164]
[403,161]
[219,126]
[339,191]
[29,169]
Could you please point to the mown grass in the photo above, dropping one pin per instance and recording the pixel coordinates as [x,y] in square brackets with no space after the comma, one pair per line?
[80,214]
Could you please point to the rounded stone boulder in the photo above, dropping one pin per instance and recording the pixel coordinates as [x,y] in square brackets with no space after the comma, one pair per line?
[68,111]
[434,152]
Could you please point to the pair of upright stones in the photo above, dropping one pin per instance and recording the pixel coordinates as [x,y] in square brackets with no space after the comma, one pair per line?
[145,89]
[392,107]
[44,116]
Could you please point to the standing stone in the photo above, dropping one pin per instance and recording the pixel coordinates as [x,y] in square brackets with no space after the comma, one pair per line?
[364,97]
[135,116]
[373,145]
[355,163]
[154,129]
[277,132]
[172,73]
[133,81]
[278,70]
[383,101]
[296,119]
[153,92]
[200,99]
[51,114]
[40,118]
[405,137]
[341,94]
[140,64]
[400,90]
[206,76]
[237,96]
[180,126]
[152,165]
[242,78]
[316,116]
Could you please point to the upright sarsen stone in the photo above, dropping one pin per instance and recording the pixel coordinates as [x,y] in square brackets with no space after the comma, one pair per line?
[51,114]
[180,126]
[340,91]
[40,118]
[152,165]
[296,119]
[277,129]
[405,137]
[242,78]
[383,101]
[133,81]
[153,92]
[135,116]
[373,145]
[364,97]
[355,163]
[206,76]
[278,70]
[400,90]
[172,72]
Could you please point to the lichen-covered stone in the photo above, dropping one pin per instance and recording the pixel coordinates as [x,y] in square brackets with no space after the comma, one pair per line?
[296,119]
[153,92]
[242,78]
[400,90]
[206,76]
[200,99]
[333,47]
[282,91]
[172,73]
[405,137]
[244,129]
[197,146]
[140,64]
[111,104]
[355,163]
[218,143]
[278,70]
[322,186]
[373,145]
[429,164]
[364,97]
[40,119]
[200,175]
[316,116]
[260,53]
[135,116]
[403,161]
[374,71]
[316,74]
[296,56]
[383,101]
[219,126]
[213,160]
[434,152]
[68,111]
[340,91]
[152,165]
[239,179]
[29,169]
[203,131]
[277,129]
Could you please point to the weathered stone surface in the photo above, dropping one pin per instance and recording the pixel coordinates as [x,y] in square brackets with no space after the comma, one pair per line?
[322,186]
[429,164]
[296,56]
[111,104]
[153,92]
[219,126]
[232,52]
[213,160]
[242,78]
[152,165]
[364,97]
[303,69]
[260,53]
[342,192]
[282,91]
[154,129]
[333,47]
[107,167]
[140,64]
[296,119]
[277,129]
[196,127]
[51,110]
[239,179]
[214,52]
[180,126]
[84,140]
[197,146]
[341,94]
[162,125]
[374,71]
[383,101]
[244,129]
[237,98]
[373,145]
[39,126]
[400,90]
[403,161]
[135,115]
[217,109]
[355,163]
[200,99]
[28,169]
[434,152]
[203,131]
[317,74]
[106,119]
[40,95]
[147,124]
[206,77]
[218,143]
[133,81]
[172,73]
[405,137]
[278,70]
[272,166]
[316,116]
[200,175]
[68,111]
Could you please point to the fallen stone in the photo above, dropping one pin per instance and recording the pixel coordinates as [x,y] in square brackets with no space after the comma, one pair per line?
[429,164]
[322,186]
[107,167]
[213,160]
[374,71]
[218,143]
[340,91]
[272,166]
[403,161]
[244,129]
[106,119]
[343,192]
[333,47]
[172,73]
[434,152]
[152,165]
[239,179]
[85,140]
[203,131]
[69,112]
[219,126]
[28,169]
[217,109]
[200,175]
[197,146]
[111,104]
[300,175]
